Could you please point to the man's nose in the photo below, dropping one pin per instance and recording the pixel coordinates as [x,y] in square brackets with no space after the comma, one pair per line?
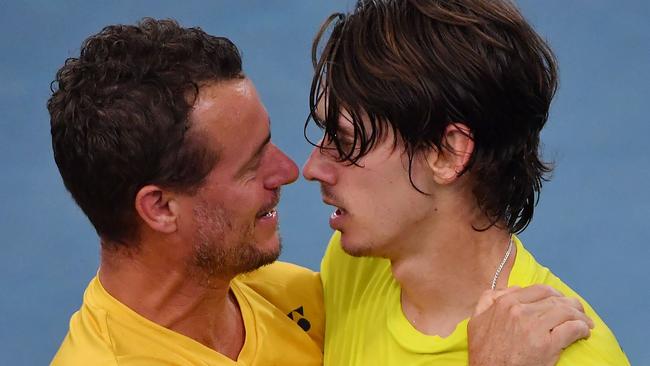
[285,172]
[319,168]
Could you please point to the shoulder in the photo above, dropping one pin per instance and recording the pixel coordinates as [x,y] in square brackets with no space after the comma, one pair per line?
[282,276]
[70,356]
[294,291]
[601,347]
[285,284]
[84,342]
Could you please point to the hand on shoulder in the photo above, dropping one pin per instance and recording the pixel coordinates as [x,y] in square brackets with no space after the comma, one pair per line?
[524,326]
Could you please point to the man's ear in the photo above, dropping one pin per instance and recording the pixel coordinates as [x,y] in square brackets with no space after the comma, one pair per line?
[457,148]
[157,208]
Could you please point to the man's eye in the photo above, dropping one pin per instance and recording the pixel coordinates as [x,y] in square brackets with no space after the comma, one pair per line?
[256,164]
[347,143]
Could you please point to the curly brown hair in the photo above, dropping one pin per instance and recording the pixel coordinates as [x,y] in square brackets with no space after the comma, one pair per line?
[416,66]
[119,116]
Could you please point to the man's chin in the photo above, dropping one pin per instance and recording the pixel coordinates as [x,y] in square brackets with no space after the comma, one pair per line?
[210,264]
[263,259]
[356,248]
[254,257]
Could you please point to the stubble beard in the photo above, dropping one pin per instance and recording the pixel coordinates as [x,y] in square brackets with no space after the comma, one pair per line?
[223,250]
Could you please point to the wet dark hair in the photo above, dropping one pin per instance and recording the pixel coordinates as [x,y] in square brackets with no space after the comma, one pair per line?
[119,116]
[417,66]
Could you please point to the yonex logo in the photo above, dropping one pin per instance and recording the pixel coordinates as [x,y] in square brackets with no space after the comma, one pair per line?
[297,315]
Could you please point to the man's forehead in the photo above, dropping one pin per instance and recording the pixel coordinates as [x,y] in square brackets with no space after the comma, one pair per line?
[229,104]
[230,113]
[222,93]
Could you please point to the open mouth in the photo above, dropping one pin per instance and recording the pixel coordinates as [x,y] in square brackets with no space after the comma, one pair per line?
[268,214]
[338,212]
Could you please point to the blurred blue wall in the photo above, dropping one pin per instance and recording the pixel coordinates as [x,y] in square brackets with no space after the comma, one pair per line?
[591,224]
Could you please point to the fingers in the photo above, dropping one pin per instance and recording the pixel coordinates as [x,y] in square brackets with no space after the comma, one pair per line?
[514,295]
[535,321]
[568,332]
[550,312]
[557,310]
[541,303]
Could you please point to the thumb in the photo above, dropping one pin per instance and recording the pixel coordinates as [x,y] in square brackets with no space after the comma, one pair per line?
[488,297]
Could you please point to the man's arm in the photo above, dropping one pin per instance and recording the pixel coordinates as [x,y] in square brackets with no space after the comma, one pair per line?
[524,327]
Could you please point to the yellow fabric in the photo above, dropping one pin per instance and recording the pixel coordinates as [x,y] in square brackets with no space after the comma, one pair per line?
[365,324]
[106,332]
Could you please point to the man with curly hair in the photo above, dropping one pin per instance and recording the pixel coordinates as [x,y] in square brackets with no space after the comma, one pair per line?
[164,144]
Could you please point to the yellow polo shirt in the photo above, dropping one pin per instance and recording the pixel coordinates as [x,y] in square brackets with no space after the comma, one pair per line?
[365,324]
[282,308]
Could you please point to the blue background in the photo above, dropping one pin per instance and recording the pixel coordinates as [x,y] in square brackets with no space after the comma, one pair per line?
[590,227]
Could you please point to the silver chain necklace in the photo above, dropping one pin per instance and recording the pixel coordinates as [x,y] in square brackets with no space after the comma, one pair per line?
[503,263]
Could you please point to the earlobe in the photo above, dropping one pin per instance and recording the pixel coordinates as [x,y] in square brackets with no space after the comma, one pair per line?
[448,163]
[157,209]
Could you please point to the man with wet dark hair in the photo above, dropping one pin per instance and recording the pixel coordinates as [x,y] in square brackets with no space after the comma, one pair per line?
[432,112]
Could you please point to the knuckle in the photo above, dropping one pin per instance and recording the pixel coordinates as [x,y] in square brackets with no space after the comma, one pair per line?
[568,303]
[501,302]
[577,304]
[557,301]
[516,311]
[579,329]
[548,290]
[504,303]
[572,331]
[575,313]
[582,326]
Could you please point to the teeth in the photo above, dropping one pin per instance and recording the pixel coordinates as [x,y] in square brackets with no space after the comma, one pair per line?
[336,213]
[270,214]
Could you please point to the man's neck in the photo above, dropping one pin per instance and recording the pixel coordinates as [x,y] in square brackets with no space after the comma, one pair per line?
[445,272]
[175,299]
